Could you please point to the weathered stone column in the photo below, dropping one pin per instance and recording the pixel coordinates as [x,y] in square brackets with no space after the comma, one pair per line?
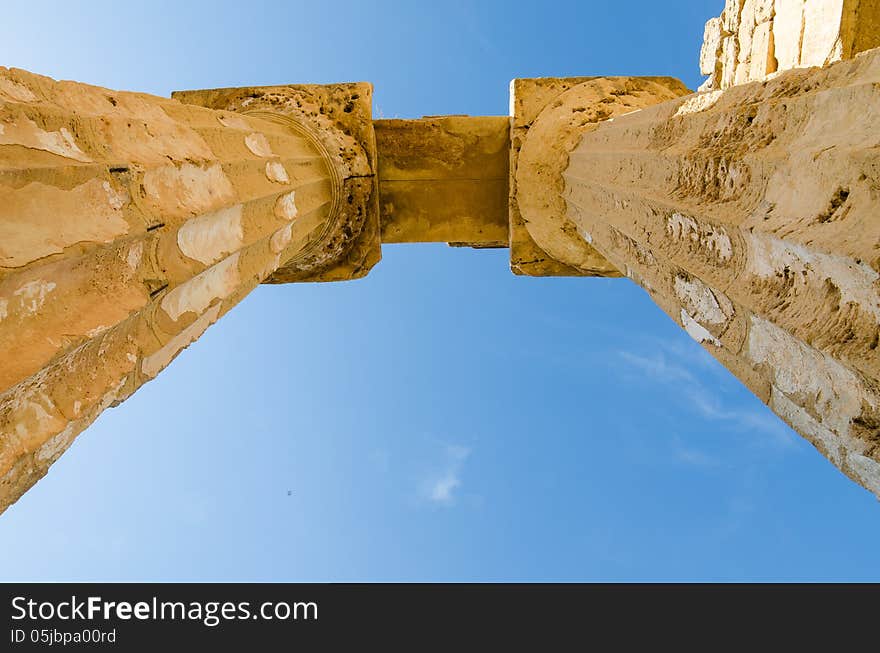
[750,217]
[130,223]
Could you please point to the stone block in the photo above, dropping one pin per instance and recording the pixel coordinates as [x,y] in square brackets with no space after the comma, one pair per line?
[762,60]
[745,30]
[820,43]
[728,61]
[711,50]
[444,179]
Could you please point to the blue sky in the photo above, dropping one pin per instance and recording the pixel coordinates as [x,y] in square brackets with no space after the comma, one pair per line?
[441,419]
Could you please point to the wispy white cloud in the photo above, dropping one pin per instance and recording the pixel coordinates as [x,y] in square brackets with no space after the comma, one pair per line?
[657,366]
[694,356]
[443,488]
[710,407]
[660,365]
[442,485]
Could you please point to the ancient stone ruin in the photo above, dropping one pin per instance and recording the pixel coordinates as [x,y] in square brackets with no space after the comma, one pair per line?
[129,223]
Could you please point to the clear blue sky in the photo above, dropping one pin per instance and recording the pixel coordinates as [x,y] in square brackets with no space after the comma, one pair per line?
[441,419]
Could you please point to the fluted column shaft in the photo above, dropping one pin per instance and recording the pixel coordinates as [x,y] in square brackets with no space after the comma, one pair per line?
[750,217]
[128,225]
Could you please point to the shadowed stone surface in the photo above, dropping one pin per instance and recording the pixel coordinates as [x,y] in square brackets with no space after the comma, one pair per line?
[444,179]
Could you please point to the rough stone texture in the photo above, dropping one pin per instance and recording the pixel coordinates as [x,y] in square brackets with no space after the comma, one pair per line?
[528,97]
[750,217]
[710,53]
[549,116]
[787,28]
[128,225]
[340,120]
[761,61]
[820,36]
[444,179]
[754,39]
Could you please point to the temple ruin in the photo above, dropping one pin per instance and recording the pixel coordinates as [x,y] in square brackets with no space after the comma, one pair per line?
[129,223]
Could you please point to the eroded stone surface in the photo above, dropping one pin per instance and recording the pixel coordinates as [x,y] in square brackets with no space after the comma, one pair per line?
[119,250]
[750,216]
[754,39]
[550,115]
[444,179]
[340,123]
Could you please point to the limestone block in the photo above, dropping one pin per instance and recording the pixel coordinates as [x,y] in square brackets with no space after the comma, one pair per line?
[787,30]
[763,10]
[730,15]
[801,33]
[762,60]
[711,50]
[745,31]
[821,42]
[728,61]
[444,179]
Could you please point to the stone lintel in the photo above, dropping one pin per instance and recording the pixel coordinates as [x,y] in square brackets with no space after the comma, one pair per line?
[340,117]
[444,179]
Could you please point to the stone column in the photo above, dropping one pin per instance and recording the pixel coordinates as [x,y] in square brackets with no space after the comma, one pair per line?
[130,223]
[750,217]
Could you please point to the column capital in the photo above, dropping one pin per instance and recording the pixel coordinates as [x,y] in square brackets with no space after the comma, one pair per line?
[337,119]
[549,117]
